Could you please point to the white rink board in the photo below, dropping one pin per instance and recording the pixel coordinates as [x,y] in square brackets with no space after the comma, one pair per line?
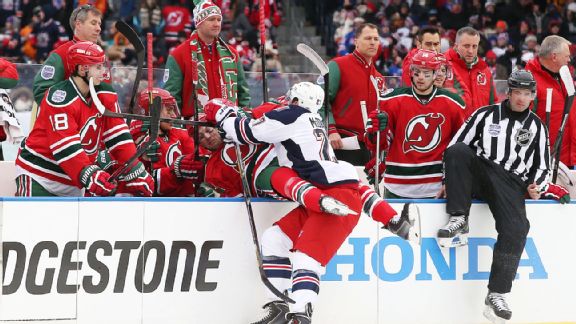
[375,277]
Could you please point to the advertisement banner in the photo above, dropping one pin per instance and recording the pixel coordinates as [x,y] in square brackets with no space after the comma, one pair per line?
[193,261]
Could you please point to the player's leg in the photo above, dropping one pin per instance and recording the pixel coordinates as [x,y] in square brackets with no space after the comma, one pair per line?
[405,225]
[288,184]
[277,241]
[320,238]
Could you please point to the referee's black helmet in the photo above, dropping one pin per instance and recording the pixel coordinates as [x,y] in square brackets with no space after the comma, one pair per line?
[521,79]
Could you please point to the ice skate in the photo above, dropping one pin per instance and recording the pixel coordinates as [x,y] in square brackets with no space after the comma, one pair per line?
[455,233]
[496,310]
[408,226]
[301,318]
[276,312]
[332,206]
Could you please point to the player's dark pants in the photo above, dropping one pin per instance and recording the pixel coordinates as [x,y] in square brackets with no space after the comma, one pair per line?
[467,176]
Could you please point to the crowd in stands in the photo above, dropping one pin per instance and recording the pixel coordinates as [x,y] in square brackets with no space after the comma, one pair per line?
[30,30]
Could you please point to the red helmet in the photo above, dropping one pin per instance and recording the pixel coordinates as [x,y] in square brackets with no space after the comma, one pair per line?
[85,53]
[165,96]
[426,59]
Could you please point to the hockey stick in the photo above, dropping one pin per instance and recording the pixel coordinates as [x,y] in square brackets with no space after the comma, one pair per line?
[248,202]
[135,40]
[311,54]
[149,56]
[377,156]
[548,106]
[263,50]
[568,82]
[154,126]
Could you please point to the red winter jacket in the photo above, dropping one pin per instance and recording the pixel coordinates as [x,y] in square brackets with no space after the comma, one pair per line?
[478,79]
[545,80]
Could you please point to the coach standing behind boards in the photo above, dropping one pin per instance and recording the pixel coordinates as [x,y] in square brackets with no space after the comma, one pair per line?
[349,85]
[471,70]
[554,53]
[220,72]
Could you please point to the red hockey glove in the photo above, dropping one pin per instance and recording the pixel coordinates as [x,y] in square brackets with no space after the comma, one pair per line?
[556,192]
[218,109]
[96,181]
[377,121]
[185,167]
[370,170]
[138,182]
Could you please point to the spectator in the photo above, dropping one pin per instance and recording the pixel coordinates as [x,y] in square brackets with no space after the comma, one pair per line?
[471,70]
[85,21]
[10,39]
[350,85]
[213,58]
[47,33]
[554,53]
[177,18]
[150,17]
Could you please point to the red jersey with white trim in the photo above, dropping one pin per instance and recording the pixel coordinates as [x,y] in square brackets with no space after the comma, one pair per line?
[418,133]
[174,143]
[222,170]
[67,135]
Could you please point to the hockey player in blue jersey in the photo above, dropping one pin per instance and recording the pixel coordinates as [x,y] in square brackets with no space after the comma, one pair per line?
[314,235]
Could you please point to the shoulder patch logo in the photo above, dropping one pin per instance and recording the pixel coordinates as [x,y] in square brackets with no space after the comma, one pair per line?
[58,96]
[47,72]
[423,133]
[166,75]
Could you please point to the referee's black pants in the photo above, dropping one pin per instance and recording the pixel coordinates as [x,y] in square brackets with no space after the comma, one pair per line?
[467,176]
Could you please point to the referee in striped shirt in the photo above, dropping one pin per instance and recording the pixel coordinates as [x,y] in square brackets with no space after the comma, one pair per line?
[499,155]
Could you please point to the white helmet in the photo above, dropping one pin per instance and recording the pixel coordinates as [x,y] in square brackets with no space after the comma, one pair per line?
[309,95]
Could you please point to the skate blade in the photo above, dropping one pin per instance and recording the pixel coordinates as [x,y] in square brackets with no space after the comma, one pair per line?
[456,241]
[415,234]
[491,316]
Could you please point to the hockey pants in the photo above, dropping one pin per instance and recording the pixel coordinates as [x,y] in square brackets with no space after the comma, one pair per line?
[467,176]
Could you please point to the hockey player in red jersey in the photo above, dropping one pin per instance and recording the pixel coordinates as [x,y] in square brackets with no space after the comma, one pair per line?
[172,154]
[421,121]
[307,164]
[58,157]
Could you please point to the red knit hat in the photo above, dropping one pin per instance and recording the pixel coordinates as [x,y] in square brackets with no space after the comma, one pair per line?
[205,9]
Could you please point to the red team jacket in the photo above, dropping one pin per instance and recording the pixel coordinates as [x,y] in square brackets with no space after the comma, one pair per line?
[545,80]
[177,142]
[419,133]
[349,84]
[477,78]
[67,135]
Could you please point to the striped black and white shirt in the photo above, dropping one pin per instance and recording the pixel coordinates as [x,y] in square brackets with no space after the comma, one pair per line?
[517,141]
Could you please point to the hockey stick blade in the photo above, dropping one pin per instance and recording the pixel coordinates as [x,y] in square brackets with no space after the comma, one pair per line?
[135,40]
[313,57]
[154,128]
[248,202]
[566,77]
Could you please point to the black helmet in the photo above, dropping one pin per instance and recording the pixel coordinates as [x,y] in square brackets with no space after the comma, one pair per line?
[522,79]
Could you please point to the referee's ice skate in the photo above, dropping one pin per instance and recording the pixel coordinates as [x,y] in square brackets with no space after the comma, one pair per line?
[408,225]
[496,310]
[455,233]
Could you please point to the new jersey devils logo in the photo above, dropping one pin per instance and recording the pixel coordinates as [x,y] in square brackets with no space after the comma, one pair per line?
[174,18]
[172,153]
[423,133]
[481,78]
[89,136]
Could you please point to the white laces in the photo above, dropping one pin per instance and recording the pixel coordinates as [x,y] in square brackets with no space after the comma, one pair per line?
[498,301]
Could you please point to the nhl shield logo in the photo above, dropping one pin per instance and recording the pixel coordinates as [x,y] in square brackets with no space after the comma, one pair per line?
[523,137]
[481,78]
